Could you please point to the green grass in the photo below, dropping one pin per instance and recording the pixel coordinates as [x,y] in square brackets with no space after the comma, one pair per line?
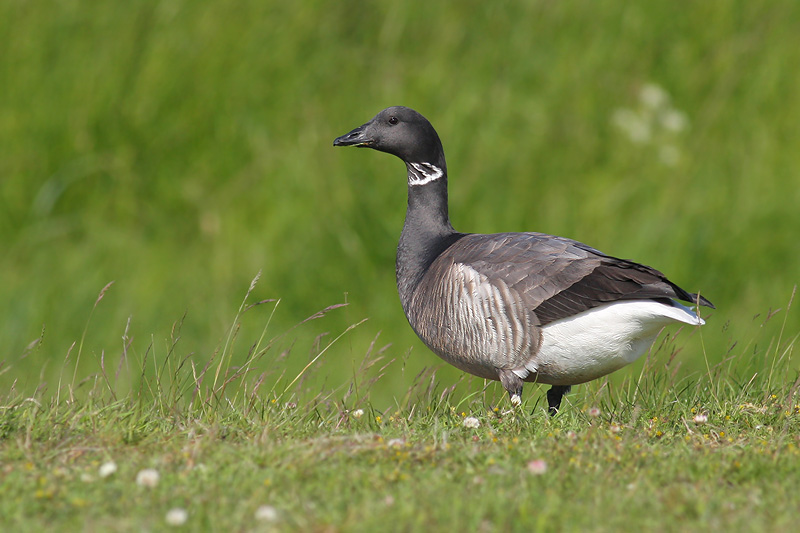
[179,148]
[226,441]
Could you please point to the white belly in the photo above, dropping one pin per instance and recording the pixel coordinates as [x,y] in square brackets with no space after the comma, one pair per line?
[601,340]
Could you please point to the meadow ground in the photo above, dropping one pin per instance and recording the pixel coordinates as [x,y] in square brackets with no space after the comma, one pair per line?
[219,448]
[178,148]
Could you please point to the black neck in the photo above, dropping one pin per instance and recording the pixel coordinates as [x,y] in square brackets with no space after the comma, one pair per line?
[427,231]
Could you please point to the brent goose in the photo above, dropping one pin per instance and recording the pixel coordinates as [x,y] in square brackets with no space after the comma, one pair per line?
[514,307]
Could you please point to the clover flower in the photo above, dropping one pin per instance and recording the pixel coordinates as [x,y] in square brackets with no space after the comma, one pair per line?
[147,478]
[266,513]
[537,467]
[471,422]
[107,468]
[177,516]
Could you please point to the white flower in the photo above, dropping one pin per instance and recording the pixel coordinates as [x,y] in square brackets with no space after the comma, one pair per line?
[674,120]
[108,468]
[594,412]
[653,96]
[358,413]
[177,516]
[266,513]
[700,418]
[396,443]
[471,422]
[537,467]
[147,478]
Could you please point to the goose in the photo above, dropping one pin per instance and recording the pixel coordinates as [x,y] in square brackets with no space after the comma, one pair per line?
[514,307]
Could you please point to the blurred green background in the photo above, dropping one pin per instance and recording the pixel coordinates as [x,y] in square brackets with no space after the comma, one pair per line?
[179,147]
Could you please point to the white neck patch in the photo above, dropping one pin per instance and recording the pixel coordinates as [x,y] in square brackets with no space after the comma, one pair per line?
[423,173]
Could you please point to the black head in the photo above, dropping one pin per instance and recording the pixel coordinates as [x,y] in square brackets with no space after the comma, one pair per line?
[399,131]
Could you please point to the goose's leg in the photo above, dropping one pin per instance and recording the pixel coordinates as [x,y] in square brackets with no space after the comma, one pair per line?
[554,396]
[513,385]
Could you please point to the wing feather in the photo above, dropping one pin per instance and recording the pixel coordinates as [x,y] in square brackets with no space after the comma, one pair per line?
[558,277]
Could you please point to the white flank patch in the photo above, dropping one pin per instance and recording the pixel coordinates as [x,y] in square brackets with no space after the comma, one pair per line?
[424,173]
[601,340]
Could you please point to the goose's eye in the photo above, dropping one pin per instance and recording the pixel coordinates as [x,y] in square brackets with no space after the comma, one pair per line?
[393,120]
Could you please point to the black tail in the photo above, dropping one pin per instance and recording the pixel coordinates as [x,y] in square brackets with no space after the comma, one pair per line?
[699,300]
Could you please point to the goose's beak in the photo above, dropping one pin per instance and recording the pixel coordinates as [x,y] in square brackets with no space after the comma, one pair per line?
[357,137]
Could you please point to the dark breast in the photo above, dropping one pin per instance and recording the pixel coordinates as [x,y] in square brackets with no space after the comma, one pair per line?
[473,323]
